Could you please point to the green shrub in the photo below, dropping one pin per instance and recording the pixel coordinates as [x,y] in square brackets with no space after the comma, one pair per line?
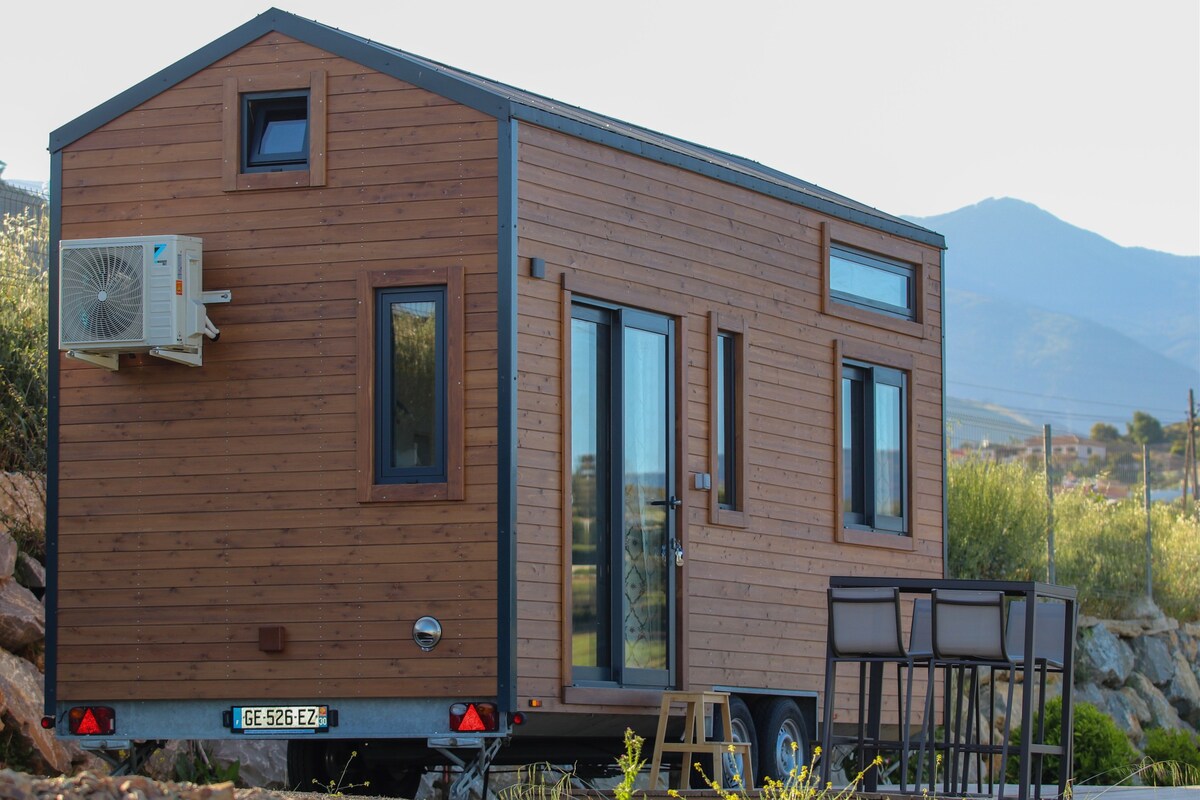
[24,308]
[1103,754]
[1173,758]
[997,521]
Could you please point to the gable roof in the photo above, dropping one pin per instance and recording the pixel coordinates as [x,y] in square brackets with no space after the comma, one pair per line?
[503,102]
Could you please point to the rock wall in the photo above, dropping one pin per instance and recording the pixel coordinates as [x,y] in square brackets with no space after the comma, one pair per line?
[1142,672]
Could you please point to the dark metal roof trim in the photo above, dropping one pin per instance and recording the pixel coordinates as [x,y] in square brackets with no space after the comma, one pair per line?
[792,190]
[503,102]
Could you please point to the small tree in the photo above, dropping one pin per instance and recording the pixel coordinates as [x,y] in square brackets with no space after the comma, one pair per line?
[24,314]
[1145,429]
[1103,432]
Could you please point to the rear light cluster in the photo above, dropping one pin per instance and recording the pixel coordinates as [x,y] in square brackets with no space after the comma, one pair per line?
[92,721]
[474,718]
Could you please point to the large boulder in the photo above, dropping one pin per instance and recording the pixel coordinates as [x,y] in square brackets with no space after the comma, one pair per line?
[22,617]
[1162,713]
[1153,659]
[8,553]
[1184,690]
[1103,658]
[30,573]
[1128,711]
[21,710]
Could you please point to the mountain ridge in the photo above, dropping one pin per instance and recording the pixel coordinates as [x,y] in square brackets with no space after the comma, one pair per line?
[1062,325]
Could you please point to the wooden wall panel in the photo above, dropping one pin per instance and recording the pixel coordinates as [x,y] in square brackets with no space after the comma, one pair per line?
[754,595]
[198,504]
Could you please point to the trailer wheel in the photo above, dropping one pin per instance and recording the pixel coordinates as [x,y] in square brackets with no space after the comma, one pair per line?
[304,766]
[741,726]
[782,739]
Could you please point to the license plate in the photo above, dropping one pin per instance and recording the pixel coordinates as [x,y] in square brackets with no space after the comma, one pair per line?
[280,719]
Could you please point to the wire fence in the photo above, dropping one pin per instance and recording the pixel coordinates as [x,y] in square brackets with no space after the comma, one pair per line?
[16,201]
[1088,520]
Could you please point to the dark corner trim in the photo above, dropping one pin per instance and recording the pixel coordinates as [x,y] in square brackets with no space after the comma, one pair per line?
[945,464]
[506,275]
[52,405]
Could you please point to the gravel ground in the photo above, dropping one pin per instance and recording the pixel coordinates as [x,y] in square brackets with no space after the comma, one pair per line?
[89,786]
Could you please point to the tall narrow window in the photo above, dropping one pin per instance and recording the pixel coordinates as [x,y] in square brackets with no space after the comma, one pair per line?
[727,432]
[874,448]
[623,508]
[726,418]
[411,385]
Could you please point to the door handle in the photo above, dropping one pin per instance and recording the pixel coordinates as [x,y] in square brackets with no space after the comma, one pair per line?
[673,502]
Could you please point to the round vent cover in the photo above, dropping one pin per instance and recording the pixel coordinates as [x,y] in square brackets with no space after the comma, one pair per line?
[427,632]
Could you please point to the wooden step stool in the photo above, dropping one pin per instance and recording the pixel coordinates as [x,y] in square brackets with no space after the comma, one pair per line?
[693,737]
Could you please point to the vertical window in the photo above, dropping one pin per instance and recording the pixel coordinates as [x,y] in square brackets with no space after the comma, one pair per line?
[874,448]
[275,131]
[411,419]
[623,508]
[727,433]
[871,282]
[726,417]
[411,385]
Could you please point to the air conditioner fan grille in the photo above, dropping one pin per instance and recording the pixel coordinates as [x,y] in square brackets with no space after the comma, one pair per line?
[102,290]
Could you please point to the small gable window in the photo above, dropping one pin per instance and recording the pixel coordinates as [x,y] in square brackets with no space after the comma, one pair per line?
[275,131]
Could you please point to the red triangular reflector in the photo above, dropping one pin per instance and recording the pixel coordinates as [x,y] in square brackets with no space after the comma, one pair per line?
[471,720]
[88,726]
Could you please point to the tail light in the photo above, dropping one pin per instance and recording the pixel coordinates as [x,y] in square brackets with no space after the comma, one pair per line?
[92,721]
[474,718]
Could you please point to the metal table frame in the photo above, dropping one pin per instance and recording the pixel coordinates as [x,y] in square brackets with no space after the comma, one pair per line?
[1032,592]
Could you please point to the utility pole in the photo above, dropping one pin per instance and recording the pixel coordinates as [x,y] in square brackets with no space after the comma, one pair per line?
[1189,452]
[1046,448]
[1146,500]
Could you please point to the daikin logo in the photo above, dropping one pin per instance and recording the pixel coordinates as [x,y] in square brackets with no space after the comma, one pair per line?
[160,252]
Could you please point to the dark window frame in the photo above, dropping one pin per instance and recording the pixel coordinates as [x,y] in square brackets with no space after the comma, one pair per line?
[259,111]
[844,235]
[882,264]
[728,339]
[385,472]
[400,487]
[613,320]
[878,364]
[234,176]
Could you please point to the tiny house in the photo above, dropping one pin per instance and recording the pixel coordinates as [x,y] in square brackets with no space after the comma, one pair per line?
[400,410]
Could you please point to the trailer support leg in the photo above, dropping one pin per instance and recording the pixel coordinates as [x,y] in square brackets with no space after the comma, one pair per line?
[460,789]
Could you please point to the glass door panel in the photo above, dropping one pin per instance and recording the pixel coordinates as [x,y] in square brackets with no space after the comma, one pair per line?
[647,571]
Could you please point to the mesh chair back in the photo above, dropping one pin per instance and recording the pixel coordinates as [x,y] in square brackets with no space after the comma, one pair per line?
[1049,621]
[865,622]
[920,635]
[968,624]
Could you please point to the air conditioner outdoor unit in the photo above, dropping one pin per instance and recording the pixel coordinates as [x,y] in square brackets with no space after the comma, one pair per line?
[134,294]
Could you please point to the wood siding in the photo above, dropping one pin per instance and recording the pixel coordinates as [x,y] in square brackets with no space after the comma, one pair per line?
[199,504]
[752,593]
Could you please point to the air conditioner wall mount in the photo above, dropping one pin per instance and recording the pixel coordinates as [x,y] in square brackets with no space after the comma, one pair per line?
[134,294]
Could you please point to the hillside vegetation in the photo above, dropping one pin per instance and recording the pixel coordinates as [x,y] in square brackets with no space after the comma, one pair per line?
[997,517]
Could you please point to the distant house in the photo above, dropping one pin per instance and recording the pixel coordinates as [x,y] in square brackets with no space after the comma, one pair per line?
[1067,446]
[16,199]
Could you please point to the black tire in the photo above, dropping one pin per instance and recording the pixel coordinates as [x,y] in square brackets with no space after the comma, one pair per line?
[328,766]
[304,761]
[783,744]
[741,724]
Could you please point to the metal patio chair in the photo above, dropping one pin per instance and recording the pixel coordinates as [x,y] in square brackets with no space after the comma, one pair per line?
[865,628]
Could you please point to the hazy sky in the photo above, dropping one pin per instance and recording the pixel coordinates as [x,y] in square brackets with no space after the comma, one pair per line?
[1089,109]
